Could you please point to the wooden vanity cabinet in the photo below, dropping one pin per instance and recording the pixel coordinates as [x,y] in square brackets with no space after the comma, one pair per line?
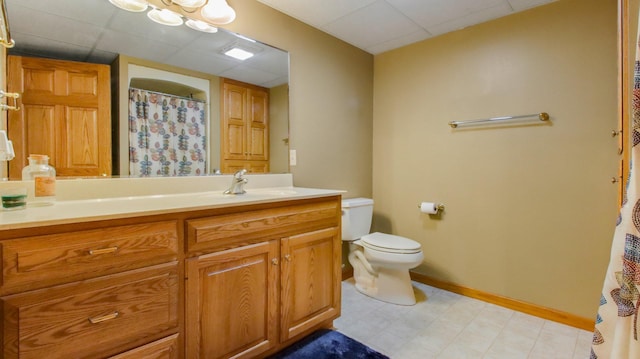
[91,290]
[242,281]
[273,275]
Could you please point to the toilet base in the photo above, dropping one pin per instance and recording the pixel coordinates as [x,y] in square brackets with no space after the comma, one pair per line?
[390,285]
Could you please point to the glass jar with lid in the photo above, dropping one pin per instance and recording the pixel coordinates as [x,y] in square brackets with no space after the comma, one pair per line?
[43,176]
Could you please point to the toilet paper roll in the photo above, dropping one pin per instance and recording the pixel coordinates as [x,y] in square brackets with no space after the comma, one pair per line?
[428,207]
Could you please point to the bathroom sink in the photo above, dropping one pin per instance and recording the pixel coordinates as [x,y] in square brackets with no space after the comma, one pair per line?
[275,192]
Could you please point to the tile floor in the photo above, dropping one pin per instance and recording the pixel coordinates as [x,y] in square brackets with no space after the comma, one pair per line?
[446,325]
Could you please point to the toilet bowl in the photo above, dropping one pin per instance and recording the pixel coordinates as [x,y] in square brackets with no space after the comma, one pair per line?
[380,261]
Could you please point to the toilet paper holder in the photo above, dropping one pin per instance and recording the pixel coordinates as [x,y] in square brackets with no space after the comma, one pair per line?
[437,207]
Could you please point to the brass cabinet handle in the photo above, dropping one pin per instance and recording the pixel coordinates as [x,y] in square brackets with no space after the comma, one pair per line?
[274,261]
[287,257]
[95,252]
[614,179]
[104,318]
[614,133]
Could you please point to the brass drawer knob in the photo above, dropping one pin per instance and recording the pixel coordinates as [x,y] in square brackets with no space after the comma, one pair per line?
[287,257]
[275,261]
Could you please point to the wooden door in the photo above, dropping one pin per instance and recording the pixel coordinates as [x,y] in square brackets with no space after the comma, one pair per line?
[244,127]
[257,125]
[234,129]
[310,280]
[65,113]
[232,302]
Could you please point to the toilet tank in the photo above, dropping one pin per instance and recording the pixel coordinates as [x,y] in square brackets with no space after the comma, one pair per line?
[356,218]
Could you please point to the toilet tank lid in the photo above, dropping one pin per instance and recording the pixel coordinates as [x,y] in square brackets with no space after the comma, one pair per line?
[356,202]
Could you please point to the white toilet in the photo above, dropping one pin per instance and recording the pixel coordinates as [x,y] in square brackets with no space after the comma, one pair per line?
[380,261]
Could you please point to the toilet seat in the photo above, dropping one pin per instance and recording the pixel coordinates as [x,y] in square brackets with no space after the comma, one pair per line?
[389,243]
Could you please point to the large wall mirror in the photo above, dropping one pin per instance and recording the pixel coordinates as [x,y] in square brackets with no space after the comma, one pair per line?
[155,57]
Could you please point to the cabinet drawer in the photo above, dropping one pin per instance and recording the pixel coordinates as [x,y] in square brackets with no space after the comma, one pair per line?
[95,318]
[233,230]
[165,348]
[34,262]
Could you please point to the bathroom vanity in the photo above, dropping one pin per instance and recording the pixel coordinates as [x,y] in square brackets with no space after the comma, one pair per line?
[186,275]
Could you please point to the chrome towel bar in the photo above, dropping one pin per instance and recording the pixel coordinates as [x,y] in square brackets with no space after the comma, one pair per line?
[541,116]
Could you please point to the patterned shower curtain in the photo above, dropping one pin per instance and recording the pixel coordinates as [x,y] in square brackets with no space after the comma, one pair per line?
[167,135]
[616,332]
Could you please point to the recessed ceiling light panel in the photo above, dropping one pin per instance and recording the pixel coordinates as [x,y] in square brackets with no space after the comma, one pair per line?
[238,53]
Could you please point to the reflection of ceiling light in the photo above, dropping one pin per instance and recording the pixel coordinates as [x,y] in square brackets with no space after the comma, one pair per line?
[218,12]
[238,53]
[201,26]
[165,17]
[131,5]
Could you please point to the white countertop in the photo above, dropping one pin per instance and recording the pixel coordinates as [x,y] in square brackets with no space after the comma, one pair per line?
[74,211]
[63,212]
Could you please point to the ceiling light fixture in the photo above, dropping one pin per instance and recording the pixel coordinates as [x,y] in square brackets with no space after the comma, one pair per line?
[165,17]
[190,3]
[216,12]
[131,5]
[201,26]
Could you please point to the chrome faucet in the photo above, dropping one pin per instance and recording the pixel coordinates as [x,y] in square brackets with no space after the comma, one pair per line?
[237,184]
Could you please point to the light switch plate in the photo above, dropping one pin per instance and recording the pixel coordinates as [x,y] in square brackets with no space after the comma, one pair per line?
[293,158]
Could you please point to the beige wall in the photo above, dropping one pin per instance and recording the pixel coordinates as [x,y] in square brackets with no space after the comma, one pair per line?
[530,209]
[331,94]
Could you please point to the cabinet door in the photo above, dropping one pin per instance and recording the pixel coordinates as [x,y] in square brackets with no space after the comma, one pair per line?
[310,280]
[232,302]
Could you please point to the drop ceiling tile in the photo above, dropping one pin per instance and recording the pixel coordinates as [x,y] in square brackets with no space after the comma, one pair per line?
[210,63]
[135,46]
[433,12]
[41,47]
[250,75]
[317,13]
[139,25]
[271,60]
[91,12]
[101,57]
[471,19]
[275,82]
[373,24]
[519,5]
[49,26]
[398,42]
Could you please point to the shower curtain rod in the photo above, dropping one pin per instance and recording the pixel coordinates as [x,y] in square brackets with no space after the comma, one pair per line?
[543,116]
[170,94]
